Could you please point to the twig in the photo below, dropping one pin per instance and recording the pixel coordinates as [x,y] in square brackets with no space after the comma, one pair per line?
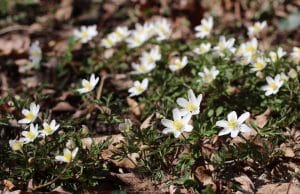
[99,91]
[13,28]
[53,180]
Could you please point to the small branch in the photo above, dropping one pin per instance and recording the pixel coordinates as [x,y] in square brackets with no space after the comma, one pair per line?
[13,28]
[53,180]
[99,91]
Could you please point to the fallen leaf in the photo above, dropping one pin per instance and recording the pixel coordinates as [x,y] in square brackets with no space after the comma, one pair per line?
[279,188]
[246,183]
[134,106]
[60,190]
[65,10]
[8,185]
[146,122]
[288,151]
[63,107]
[262,119]
[14,43]
[203,176]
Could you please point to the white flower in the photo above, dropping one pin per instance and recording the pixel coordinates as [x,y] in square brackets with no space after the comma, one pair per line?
[205,28]
[121,33]
[274,56]
[179,124]
[35,54]
[68,155]
[152,56]
[16,145]
[224,45]
[190,106]
[202,49]
[86,33]
[248,49]
[138,87]
[109,41]
[273,85]
[259,64]
[142,68]
[207,75]
[31,114]
[234,125]
[296,54]
[256,28]
[31,135]
[292,73]
[178,63]
[162,28]
[88,85]
[140,35]
[49,129]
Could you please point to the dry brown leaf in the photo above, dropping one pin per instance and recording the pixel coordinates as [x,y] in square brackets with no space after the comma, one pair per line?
[279,188]
[146,123]
[108,53]
[262,119]
[246,183]
[14,43]
[288,151]
[63,107]
[8,185]
[121,82]
[65,10]
[203,176]
[134,106]
[60,190]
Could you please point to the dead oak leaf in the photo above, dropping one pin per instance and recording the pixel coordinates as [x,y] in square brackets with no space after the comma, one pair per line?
[279,188]
[262,119]
[134,106]
[63,107]
[246,183]
[14,43]
[147,122]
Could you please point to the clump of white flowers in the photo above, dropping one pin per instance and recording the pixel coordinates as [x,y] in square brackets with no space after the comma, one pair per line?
[141,34]
[88,85]
[208,75]
[85,33]
[233,125]
[178,63]
[202,49]
[224,46]
[67,156]
[256,28]
[248,50]
[138,87]
[35,54]
[31,114]
[273,85]
[205,28]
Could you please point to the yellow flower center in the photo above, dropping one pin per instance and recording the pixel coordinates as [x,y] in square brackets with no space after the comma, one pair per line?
[251,49]
[150,58]
[30,135]
[178,64]
[259,65]
[208,78]
[139,88]
[257,28]
[68,156]
[191,107]
[232,123]
[142,68]
[206,28]
[84,34]
[30,116]
[17,146]
[273,86]
[178,125]
[87,85]
[48,129]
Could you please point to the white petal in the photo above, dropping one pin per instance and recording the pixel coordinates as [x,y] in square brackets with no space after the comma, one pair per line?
[188,128]
[234,133]
[243,117]
[224,132]
[167,123]
[244,128]
[222,123]
[182,102]
[232,116]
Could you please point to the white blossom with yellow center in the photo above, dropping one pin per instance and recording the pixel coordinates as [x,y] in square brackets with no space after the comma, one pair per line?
[178,64]
[162,29]
[256,28]
[152,56]
[31,114]
[273,85]
[275,56]
[224,45]
[68,155]
[190,106]
[178,125]
[205,28]
[258,65]
[234,125]
[208,75]
[16,145]
[86,33]
[49,129]
[88,85]
[31,135]
[138,87]
[142,68]
[295,55]
[203,48]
